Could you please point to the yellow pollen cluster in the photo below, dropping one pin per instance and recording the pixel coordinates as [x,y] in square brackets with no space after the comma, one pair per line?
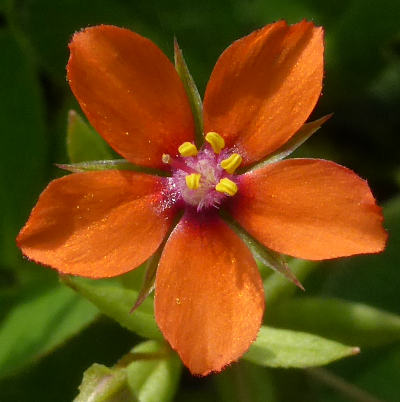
[216,141]
[193,180]
[226,186]
[232,163]
[187,149]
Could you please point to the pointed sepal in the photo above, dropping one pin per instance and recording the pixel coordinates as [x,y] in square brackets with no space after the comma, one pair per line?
[191,91]
[270,258]
[305,132]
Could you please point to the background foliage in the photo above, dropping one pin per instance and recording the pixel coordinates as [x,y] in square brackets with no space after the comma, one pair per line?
[362,88]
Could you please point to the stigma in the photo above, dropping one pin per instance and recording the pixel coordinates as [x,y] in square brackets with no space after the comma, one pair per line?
[204,178]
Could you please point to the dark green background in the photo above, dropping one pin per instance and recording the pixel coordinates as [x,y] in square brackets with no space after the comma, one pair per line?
[361,86]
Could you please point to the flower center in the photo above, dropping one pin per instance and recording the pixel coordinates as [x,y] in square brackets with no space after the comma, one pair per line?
[204,178]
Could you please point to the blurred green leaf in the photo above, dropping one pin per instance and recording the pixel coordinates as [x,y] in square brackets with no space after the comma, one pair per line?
[371,279]
[349,322]
[284,348]
[155,372]
[380,376]
[192,93]
[56,377]
[50,26]
[103,384]
[83,142]
[357,41]
[245,382]
[116,302]
[277,287]
[35,327]
[23,145]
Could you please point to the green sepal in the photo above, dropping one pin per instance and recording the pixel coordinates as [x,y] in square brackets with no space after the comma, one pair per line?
[341,320]
[192,93]
[103,384]
[118,164]
[148,280]
[151,265]
[83,142]
[291,349]
[301,136]
[148,373]
[116,302]
[268,257]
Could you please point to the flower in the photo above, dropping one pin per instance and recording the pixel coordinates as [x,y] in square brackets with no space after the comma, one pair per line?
[209,299]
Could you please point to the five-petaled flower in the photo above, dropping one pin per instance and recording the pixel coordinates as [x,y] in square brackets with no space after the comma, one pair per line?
[209,299]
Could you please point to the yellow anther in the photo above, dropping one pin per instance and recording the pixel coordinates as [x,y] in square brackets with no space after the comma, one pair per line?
[166,158]
[193,180]
[232,163]
[226,186]
[216,141]
[187,149]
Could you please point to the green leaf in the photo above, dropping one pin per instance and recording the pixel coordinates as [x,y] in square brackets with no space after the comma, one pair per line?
[284,348]
[116,302]
[83,142]
[23,144]
[149,373]
[192,93]
[102,384]
[302,135]
[38,324]
[155,373]
[340,320]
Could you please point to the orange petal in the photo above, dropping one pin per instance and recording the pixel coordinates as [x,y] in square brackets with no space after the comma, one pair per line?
[130,92]
[309,208]
[97,224]
[209,296]
[264,87]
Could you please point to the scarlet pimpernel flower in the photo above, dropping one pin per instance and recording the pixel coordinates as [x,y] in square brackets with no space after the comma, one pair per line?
[209,299]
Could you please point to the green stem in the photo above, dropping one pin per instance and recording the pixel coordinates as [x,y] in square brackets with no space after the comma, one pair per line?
[349,390]
[240,384]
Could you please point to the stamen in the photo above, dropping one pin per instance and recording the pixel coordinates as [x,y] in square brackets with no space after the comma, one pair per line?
[227,187]
[216,141]
[188,149]
[193,180]
[232,163]
[168,160]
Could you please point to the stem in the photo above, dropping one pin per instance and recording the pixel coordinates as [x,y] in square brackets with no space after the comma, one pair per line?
[339,384]
[240,384]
